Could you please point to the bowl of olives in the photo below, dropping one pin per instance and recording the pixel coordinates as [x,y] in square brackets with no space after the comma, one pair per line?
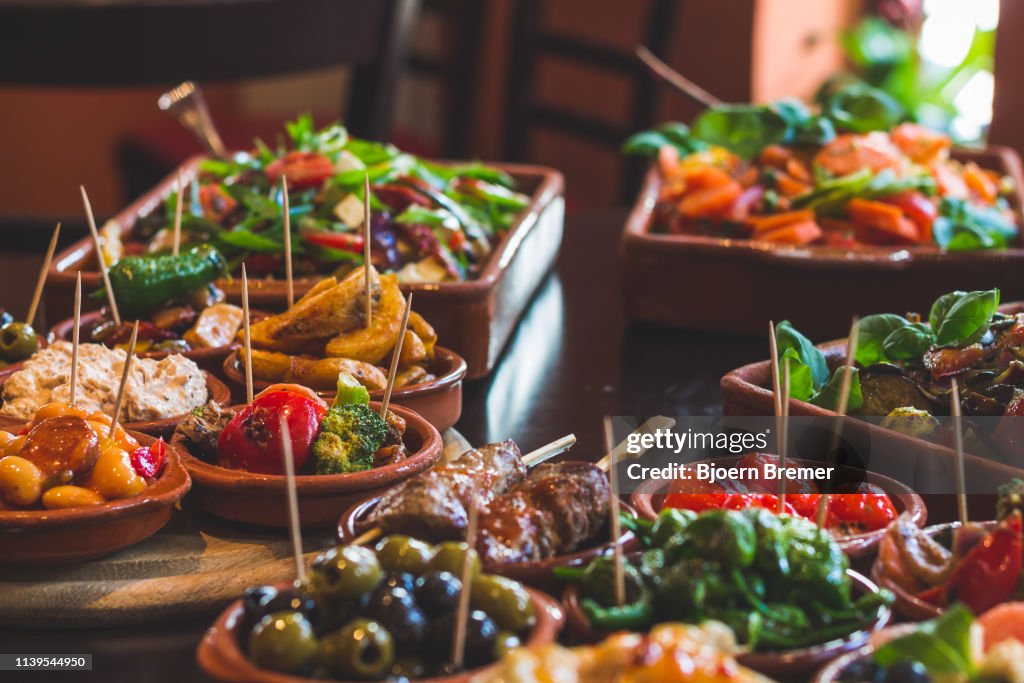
[18,341]
[387,613]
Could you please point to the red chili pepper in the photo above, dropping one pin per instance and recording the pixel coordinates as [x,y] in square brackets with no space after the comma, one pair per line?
[303,169]
[149,461]
[342,241]
[990,572]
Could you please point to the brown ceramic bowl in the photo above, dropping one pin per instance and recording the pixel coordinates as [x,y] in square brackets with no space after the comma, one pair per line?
[220,656]
[44,537]
[210,359]
[261,499]
[438,401]
[650,496]
[478,316]
[754,282]
[831,671]
[907,605]
[216,390]
[540,573]
[792,663]
[746,391]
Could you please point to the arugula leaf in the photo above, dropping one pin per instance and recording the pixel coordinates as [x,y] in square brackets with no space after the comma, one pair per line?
[968,319]
[744,129]
[432,217]
[371,153]
[910,341]
[786,337]
[872,332]
[828,397]
[250,241]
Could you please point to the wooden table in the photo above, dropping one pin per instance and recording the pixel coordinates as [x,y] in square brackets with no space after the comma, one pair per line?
[573,360]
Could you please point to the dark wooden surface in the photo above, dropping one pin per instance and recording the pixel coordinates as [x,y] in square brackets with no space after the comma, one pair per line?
[573,360]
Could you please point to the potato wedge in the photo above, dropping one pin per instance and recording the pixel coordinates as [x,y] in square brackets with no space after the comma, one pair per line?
[372,344]
[424,330]
[333,310]
[414,351]
[414,374]
[319,287]
[320,374]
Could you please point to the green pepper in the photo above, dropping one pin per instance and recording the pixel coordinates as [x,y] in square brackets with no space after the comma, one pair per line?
[723,535]
[772,541]
[652,565]
[142,283]
[670,522]
[598,581]
[632,615]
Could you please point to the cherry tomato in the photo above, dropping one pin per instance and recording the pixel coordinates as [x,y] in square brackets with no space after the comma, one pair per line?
[216,202]
[866,509]
[251,441]
[302,169]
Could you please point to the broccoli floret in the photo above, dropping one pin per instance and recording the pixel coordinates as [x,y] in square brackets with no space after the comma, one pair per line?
[1011,497]
[348,440]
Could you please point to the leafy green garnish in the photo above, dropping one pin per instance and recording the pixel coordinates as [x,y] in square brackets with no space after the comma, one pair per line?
[861,108]
[967,319]
[787,337]
[962,226]
[809,378]
[941,645]
[872,331]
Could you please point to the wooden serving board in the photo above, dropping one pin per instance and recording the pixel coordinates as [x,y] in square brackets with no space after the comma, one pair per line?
[193,567]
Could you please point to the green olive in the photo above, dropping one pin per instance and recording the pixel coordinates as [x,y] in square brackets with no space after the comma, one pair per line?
[345,573]
[504,600]
[18,341]
[404,554]
[360,649]
[283,641]
[505,643]
[449,558]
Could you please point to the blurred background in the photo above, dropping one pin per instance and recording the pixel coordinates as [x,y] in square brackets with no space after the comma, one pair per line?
[552,82]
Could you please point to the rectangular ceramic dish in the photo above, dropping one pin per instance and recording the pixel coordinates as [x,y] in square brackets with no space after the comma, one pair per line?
[474,318]
[736,286]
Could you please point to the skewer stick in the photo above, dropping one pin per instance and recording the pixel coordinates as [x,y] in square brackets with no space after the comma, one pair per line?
[958,443]
[649,427]
[780,418]
[462,616]
[293,499]
[246,336]
[121,390]
[393,371]
[287,242]
[784,435]
[545,453]
[675,79]
[74,339]
[366,249]
[842,403]
[176,243]
[615,525]
[367,537]
[41,282]
[115,314]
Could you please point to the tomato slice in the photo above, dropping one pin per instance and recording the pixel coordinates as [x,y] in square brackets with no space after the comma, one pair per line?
[302,169]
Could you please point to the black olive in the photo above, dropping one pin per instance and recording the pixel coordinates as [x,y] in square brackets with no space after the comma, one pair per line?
[395,609]
[401,580]
[438,593]
[481,636]
[907,672]
[260,601]
[863,670]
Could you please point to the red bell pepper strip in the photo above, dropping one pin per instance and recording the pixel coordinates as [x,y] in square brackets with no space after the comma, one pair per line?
[302,169]
[149,461]
[342,241]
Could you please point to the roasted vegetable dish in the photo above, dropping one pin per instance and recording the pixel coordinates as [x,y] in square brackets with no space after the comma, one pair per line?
[66,457]
[779,582]
[839,178]
[325,334]
[429,222]
[387,613]
[345,437]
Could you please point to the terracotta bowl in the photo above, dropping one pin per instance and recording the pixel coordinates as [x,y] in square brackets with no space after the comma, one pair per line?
[220,656]
[540,573]
[831,671]
[650,496]
[44,537]
[907,605]
[438,401]
[208,359]
[261,499]
[791,663]
[216,390]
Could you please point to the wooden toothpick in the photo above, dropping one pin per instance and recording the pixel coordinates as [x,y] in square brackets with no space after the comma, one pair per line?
[74,339]
[293,500]
[614,524]
[842,403]
[651,426]
[287,242]
[176,243]
[780,418]
[462,615]
[246,336]
[393,371]
[784,434]
[366,249]
[41,282]
[114,313]
[548,451]
[958,443]
[124,380]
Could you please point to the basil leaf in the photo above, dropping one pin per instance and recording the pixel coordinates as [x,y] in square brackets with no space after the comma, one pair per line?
[910,341]
[801,382]
[786,337]
[744,129]
[872,331]
[646,143]
[941,307]
[962,226]
[678,134]
[968,319]
[861,108]
[942,645]
[828,397]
